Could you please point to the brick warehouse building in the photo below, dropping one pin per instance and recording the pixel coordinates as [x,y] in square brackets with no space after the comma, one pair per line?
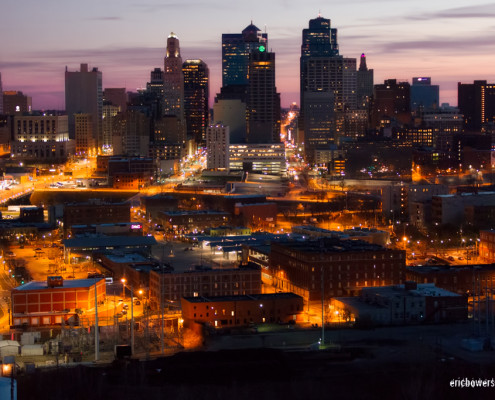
[204,282]
[346,267]
[230,311]
[39,303]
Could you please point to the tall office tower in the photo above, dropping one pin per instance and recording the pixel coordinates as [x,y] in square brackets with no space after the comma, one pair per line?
[131,134]
[424,95]
[477,102]
[15,103]
[327,86]
[231,113]
[391,100]
[349,84]
[83,94]
[1,95]
[116,96]
[217,144]
[364,84]
[236,48]
[109,112]
[155,85]
[263,101]
[83,125]
[173,90]
[196,95]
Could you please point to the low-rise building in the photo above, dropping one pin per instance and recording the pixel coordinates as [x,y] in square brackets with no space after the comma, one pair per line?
[461,279]
[410,303]
[487,245]
[344,267]
[190,221]
[95,212]
[55,301]
[237,311]
[203,281]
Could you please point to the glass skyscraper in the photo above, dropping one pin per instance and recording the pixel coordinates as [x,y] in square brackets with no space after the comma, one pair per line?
[236,48]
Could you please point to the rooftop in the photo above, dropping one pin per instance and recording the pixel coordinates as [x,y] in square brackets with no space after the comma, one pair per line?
[109,241]
[251,297]
[68,284]
[423,289]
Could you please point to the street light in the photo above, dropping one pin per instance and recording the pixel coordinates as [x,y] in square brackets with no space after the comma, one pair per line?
[123,280]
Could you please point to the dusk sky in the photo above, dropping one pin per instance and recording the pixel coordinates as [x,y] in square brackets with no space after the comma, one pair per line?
[449,40]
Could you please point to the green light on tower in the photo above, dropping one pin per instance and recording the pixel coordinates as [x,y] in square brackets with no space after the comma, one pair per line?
[262,48]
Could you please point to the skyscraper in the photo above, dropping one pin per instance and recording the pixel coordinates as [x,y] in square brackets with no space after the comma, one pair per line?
[196,95]
[477,102]
[236,48]
[263,101]
[364,84]
[392,100]
[83,94]
[173,90]
[424,95]
[1,95]
[327,86]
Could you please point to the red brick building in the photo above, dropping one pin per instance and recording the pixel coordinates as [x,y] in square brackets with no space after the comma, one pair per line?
[460,279]
[190,221]
[204,282]
[487,245]
[257,216]
[232,311]
[95,212]
[39,303]
[345,266]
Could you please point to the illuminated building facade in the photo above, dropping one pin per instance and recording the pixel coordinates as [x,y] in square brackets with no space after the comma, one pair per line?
[15,102]
[39,303]
[236,48]
[41,138]
[217,144]
[345,266]
[266,158]
[83,94]
[203,281]
[391,99]
[476,101]
[109,112]
[173,80]
[263,101]
[95,213]
[424,95]
[328,86]
[196,96]
[230,311]
[85,142]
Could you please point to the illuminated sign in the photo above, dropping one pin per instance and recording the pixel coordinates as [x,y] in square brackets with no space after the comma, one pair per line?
[262,48]
[136,226]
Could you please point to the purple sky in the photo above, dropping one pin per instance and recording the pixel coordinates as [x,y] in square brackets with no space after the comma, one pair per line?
[450,41]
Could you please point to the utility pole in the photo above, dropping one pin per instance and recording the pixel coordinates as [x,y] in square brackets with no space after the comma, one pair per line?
[97,334]
[162,327]
[132,321]
[322,306]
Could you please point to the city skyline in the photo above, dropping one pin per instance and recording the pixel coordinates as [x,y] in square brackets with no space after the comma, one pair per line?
[126,41]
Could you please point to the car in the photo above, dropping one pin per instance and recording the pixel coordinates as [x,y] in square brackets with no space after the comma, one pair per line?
[451,258]
[121,301]
[124,312]
[460,258]
[137,303]
[125,307]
